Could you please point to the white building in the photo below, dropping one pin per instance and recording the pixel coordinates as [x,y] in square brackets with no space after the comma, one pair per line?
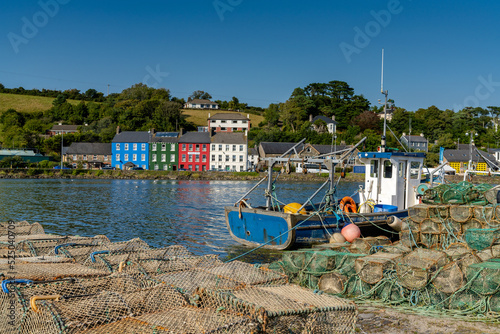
[229,152]
[201,104]
[331,125]
[228,122]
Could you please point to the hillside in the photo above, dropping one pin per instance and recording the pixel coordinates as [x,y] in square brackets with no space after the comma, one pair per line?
[199,117]
[27,103]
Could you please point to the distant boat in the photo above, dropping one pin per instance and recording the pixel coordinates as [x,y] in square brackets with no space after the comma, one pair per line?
[391,181]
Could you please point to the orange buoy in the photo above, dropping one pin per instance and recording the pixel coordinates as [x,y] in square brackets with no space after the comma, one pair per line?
[347,204]
[351,232]
[293,208]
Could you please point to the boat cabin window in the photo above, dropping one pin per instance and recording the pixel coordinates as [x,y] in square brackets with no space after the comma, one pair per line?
[387,169]
[374,168]
[414,169]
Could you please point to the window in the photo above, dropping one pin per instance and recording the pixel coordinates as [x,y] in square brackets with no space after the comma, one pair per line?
[241,158]
[143,157]
[183,147]
[157,167]
[94,157]
[223,121]
[227,148]
[220,157]
[374,168]
[223,129]
[234,148]
[234,158]
[165,167]
[153,158]
[126,157]
[204,148]
[197,147]
[190,158]
[84,157]
[241,148]
[117,146]
[190,167]
[163,147]
[227,157]
[414,169]
[117,157]
[154,147]
[143,147]
[75,157]
[134,157]
[235,122]
[163,158]
[213,147]
[126,147]
[190,147]
[220,147]
[106,158]
[197,158]
[172,158]
[183,158]
[197,167]
[203,168]
[241,168]
[213,157]
[172,147]
[134,147]
[387,169]
[204,158]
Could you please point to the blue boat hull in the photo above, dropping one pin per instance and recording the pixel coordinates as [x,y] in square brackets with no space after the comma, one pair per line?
[278,230]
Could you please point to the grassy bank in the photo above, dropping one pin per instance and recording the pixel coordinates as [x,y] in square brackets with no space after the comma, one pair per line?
[39,173]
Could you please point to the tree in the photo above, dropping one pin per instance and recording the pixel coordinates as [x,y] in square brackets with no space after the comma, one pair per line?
[271,115]
[368,120]
[167,115]
[199,94]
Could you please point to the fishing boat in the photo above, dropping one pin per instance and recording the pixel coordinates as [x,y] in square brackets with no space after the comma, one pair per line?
[390,188]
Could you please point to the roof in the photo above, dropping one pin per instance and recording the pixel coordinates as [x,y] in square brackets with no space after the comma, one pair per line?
[90,148]
[64,127]
[229,138]
[324,149]
[253,151]
[324,119]
[415,139]
[222,116]
[464,156]
[198,101]
[164,140]
[278,148]
[132,137]
[21,153]
[167,134]
[195,137]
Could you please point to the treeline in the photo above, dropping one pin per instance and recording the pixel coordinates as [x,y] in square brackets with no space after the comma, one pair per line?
[71,94]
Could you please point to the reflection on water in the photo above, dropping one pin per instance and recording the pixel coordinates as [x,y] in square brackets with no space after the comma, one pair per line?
[163,213]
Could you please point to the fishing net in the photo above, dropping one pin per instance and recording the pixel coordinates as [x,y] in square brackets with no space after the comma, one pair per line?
[484,277]
[461,213]
[438,213]
[481,238]
[368,245]
[45,245]
[460,193]
[472,223]
[409,238]
[449,279]
[416,269]
[286,308]
[483,213]
[20,228]
[49,271]
[333,283]
[418,213]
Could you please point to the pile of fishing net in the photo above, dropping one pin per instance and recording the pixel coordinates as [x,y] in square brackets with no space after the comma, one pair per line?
[447,260]
[92,285]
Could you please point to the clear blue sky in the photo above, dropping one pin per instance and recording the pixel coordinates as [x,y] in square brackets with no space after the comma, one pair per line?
[443,53]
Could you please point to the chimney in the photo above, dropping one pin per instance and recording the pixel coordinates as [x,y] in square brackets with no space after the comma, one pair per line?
[248,116]
[212,132]
[333,117]
[404,134]
[118,129]
[310,118]
[208,115]
[422,135]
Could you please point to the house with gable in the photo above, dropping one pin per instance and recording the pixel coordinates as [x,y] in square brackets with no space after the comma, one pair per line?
[201,104]
[164,151]
[228,122]
[331,124]
[130,147]
[460,159]
[90,155]
[416,143]
[194,151]
[229,152]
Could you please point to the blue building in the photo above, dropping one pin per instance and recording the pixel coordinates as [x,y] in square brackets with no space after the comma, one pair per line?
[130,149]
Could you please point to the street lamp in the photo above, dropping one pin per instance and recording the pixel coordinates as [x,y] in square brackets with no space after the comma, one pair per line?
[471,134]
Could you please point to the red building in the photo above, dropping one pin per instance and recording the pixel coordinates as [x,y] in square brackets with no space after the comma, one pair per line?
[194,151]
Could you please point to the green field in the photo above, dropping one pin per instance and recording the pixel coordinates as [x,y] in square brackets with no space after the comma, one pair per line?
[200,117]
[27,103]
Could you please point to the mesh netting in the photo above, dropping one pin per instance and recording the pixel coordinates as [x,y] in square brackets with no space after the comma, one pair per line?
[481,238]
[21,228]
[460,193]
[371,268]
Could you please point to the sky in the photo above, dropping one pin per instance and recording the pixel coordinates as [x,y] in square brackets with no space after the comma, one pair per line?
[443,53]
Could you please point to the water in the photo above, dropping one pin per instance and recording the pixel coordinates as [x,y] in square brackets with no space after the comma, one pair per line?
[163,213]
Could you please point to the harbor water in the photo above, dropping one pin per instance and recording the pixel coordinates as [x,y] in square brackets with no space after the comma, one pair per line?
[162,213]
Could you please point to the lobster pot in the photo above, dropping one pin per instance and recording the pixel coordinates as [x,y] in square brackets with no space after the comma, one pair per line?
[461,213]
[22,228]
[368,245]
[483,213]
[294,261]
[464,300]
[416,268]
[335,246]
[52,271]
[286,309]
[333,283]
[494,223]
[246,273]
[491,195]
[36,259]
[452,228]
[430,226]
[456,250]
[409,238]
[438,213]
[370,269]
[46,245]
[449,279]
[390,292]
[155,267]
[480,239]
[356,287]
[396,248]
[495,303]
[484,277]
[4,255]
[431,240]
[435,298]
[468,259]
[472,224]
[418,213]
[185,320]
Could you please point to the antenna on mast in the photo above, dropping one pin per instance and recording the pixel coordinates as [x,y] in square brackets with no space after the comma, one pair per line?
[382,76]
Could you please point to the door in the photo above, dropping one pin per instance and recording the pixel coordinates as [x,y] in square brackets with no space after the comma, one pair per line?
[401,184]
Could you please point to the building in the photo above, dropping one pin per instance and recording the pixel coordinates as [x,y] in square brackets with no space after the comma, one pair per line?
[130,146]
[229,152]
[62,129]
[90,155]
[253,158]
[228,122]
[416,143]
[201,104]
[331,124]
[270,149]
[194,151]
[459,160]
[164,151]
[26,154]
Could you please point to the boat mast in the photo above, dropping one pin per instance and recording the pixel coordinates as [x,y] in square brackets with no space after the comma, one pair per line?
[382,144]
